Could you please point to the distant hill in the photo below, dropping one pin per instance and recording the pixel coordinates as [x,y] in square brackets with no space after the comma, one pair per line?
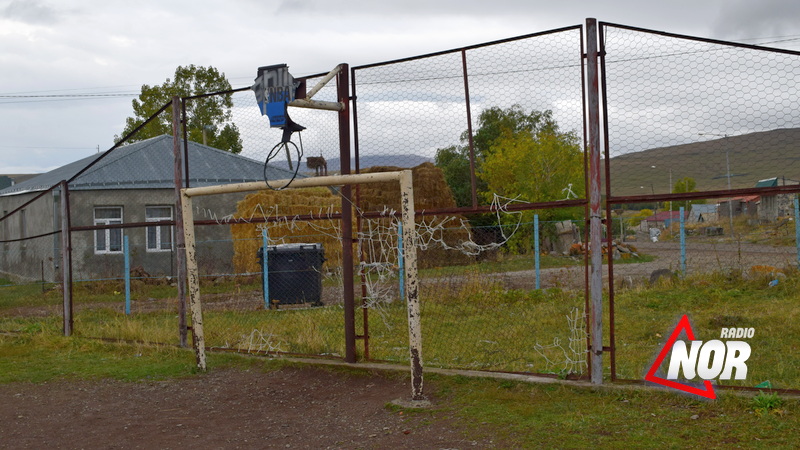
[751,157]
[335,164]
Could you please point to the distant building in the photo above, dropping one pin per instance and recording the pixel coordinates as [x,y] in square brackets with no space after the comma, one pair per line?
[746,205]
[8,180]
[664,219]
[777,205]
[133,184]
[703,213]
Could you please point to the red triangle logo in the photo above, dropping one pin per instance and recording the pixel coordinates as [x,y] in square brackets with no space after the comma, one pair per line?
[683,325]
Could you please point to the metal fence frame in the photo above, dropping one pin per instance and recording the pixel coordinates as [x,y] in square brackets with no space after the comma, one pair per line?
[598,196]
[611,200]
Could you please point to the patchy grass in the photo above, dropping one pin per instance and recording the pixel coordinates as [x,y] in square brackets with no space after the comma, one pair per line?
[646,317]
[559,416]
[517,263]
[43,355]
[469,321]
[31,294]
[513,413]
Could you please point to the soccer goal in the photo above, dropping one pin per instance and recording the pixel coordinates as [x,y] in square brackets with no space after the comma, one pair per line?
[411,282]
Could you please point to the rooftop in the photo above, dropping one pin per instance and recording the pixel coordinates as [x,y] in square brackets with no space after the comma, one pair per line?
[149,164]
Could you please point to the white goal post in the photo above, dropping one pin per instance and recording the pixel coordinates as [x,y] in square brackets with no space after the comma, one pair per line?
[410,253]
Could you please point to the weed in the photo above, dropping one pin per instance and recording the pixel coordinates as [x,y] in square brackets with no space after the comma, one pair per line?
[507,384]
[765,403]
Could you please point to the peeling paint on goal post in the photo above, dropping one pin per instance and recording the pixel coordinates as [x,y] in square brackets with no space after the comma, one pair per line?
[411,283]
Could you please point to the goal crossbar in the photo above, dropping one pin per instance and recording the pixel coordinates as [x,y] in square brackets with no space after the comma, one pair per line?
[332,180]
[404,179]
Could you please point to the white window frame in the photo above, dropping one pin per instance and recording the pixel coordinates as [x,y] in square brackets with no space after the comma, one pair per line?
[159,239]
[108,232]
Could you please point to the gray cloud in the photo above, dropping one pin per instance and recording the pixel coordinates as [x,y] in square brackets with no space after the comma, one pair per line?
[744,19]
[31,12]
[69,46]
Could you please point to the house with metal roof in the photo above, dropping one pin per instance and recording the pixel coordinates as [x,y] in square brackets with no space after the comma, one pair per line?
[774,206]
[132,184]
[664,219]
[7,180]
[744,205]
[703,213]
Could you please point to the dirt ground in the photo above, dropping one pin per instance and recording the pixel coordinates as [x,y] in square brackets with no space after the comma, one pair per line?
[227,409]
[701,257]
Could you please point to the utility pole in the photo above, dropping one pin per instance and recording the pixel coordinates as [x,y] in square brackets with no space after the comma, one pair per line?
[728,169]
[730,201]
[670,191]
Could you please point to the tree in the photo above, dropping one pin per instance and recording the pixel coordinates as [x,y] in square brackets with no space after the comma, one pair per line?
[636,219]
[685,185]
[517,155]
[493,123]
[536,165]
[208,119]
[454,162]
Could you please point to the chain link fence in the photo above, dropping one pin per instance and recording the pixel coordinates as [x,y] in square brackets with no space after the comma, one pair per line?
[480,306]
[702,161]
[30,260]
[698,176]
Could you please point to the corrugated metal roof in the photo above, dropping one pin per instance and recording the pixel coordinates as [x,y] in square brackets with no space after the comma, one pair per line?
[769,182]
[746,198]
[704,208]
[667,215]
[149,165]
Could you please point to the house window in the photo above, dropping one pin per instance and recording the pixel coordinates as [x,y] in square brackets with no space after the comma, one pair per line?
[159,238]
[108,240]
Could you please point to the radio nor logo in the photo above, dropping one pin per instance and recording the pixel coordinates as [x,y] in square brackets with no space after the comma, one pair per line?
[700,360]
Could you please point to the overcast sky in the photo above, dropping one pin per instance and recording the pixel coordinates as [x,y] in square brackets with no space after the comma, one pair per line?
[113,47]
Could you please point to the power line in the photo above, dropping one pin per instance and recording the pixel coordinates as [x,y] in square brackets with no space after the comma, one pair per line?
[39,147]
[10,101]
[41,96]
[69,95]
[118,88]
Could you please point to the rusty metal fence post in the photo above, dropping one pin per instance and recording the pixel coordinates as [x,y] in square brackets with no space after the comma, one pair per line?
[66,259]
[343,95]
[612,352]
[595,233]
[473,180]
[180,241]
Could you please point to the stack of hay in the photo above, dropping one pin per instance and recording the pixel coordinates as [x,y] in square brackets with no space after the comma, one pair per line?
[430,192]
[320,202]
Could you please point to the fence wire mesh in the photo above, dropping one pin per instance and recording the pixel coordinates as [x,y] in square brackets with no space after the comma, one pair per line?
[703,177]
[30,260]
[449,108]
[693,124]
[446,109]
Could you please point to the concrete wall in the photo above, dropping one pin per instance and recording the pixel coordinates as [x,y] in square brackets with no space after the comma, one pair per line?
[31,259]
[774,206]
[215,248]
[23,260]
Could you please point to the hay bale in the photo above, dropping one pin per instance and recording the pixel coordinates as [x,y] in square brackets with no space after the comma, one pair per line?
[320,202]
[430,189]
[430,192]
